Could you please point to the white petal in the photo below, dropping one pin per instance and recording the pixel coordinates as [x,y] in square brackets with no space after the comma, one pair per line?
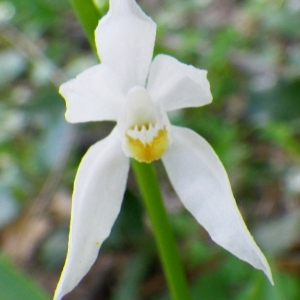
[177,85]
[94,95]
[125,39]
[98,192]
[202,184]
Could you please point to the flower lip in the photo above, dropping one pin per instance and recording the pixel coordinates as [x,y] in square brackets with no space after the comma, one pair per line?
[149,151]
[140,109]
[145,127]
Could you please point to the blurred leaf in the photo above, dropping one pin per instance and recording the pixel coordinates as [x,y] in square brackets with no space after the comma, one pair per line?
[283,135]
[222,44]
[280,103]
[39,14]
[16,286]
[129,226]
[102,6]
[209,286]
[133,276]
[285,288]
[88,16]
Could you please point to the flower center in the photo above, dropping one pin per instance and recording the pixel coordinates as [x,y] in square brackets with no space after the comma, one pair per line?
[146,133]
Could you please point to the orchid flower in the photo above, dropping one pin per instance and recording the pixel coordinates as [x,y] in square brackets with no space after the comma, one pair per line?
[136,92]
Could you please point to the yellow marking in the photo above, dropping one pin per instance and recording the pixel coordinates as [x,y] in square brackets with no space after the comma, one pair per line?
[150,151]
[98,243]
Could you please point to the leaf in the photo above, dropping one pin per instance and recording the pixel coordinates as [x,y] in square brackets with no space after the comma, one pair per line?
[286,287]
[88,16]
[15,285]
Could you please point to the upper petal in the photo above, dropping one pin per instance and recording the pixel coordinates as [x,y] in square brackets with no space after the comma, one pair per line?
[125,39]
[94,95]
[202,184]
[177,85]
[98,192]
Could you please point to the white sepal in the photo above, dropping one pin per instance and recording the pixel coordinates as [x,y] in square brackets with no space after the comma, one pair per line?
[125,40]
[202,185]
[176,85]
[94,95]
[98,193]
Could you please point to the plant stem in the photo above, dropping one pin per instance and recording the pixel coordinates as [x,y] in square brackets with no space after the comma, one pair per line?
[149,186]
[88,16]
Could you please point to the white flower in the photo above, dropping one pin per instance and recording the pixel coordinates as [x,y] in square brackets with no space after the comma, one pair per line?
[136,93]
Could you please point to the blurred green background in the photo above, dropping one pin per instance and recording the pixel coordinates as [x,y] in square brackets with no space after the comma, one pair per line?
[251,49]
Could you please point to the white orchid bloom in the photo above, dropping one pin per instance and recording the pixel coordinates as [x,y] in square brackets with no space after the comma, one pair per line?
[136,93]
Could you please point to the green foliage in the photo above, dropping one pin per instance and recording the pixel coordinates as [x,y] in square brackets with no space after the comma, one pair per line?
[88,15]
[14,285]
[277,102]
[286,287]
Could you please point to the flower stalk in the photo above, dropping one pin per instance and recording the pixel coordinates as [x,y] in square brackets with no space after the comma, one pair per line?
[149,187]
[88,16]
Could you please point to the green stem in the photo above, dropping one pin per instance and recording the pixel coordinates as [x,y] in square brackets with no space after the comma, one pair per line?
[88,16]
[149,186]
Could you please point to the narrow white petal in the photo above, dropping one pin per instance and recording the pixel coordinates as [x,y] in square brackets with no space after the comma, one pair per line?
[125,39]
[94,95]
[176,85]
[98,192]
[202,184]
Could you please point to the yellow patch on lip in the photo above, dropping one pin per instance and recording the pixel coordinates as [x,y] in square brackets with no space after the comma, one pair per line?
[150,151]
